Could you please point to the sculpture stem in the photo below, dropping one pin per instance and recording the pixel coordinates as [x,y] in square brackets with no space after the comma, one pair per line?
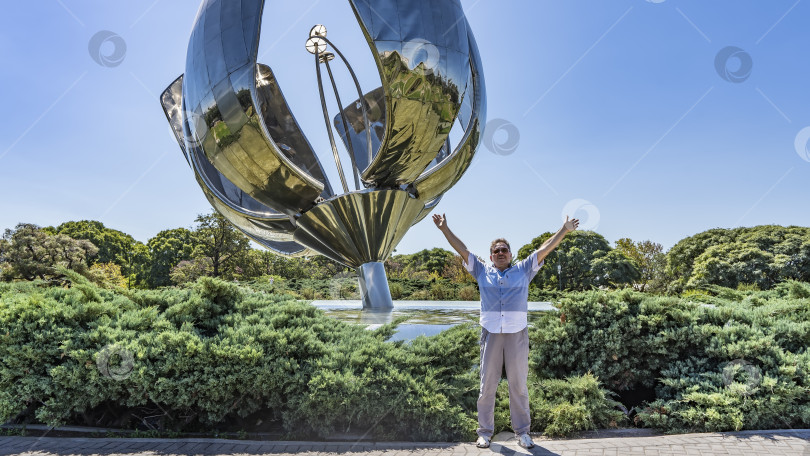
[345,125]
[363,101]
[374,291]
[328,125]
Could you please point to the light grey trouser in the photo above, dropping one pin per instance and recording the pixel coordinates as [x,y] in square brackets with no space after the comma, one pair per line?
[499,350]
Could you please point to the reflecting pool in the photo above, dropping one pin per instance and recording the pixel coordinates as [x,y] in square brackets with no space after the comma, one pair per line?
[426,318]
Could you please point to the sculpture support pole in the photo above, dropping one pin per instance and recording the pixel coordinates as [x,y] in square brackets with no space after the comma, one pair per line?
[374,290]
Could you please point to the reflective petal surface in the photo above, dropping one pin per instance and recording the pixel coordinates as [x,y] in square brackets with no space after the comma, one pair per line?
[422,52]
[256,167]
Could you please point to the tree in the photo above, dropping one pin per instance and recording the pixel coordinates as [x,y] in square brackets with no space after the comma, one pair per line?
[795,264]
[762,255]
[614,269]
[254,264]
[32,253]
[166,249]
[650,260]
[5,268]
[321,267]
[456,272]
[421,264]
[681,257]
[113,247]
[137,264]
[218,240]
[191,270]
[730,265]
[107,275]
[289,268]
[582,260]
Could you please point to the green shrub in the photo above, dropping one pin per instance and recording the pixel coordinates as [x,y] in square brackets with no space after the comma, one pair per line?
[735,395]
[693,292]
[440,292]
[797,290]
[397,291]
[308,293]
[214,353]
[747,287]
[690,353]
[469,293]
[420,295]
[562,406]
[608,333]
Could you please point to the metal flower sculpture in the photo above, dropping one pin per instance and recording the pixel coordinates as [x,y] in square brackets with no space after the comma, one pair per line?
[257,168]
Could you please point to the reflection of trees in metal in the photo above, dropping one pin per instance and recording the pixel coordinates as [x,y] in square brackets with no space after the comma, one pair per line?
[257,168]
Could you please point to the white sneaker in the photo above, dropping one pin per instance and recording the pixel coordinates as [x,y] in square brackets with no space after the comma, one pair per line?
[482,442]
[525,441]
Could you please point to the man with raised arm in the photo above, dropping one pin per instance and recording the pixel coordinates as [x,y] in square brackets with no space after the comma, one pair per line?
[504,326]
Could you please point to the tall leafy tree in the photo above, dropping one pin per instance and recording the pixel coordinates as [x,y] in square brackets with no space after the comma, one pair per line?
[761,255]
[190,270]
[425,261]
[218,240]
[584,259]
[33,253]
[321,267]
[289,268]
[255,264]
[614,269]
[651,261]
[113,247]
[732,264]
[166,250]
[5,267]
[681,257]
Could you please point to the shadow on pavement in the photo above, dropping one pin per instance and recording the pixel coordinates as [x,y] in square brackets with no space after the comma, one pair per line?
[538,450]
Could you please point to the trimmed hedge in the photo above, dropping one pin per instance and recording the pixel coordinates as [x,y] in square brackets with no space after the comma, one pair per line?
[195,358]
[218,355]
[204,357]
[732,360]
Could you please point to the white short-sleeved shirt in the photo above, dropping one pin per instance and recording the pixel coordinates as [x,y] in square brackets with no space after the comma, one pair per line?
[504,294]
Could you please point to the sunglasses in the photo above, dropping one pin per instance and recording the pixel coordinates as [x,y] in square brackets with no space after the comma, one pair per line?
[500,250]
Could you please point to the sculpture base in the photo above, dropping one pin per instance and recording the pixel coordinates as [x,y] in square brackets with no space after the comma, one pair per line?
[374,290]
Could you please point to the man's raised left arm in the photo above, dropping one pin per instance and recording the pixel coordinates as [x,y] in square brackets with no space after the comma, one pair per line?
[554,241]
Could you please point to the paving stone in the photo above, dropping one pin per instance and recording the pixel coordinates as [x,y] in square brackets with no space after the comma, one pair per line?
[786,443]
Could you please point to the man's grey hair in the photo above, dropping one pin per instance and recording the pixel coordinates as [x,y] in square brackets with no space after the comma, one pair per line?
[499,241]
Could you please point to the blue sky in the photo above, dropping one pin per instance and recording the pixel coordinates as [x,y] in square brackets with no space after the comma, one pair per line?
[616,110]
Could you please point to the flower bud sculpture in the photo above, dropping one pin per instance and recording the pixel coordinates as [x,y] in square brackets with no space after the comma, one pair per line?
[257,168]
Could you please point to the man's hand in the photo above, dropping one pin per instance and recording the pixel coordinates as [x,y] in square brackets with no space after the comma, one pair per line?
[570,225]
[552,242]
[441,224]
[440,221]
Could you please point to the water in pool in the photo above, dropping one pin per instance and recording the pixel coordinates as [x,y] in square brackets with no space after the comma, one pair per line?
[426,318]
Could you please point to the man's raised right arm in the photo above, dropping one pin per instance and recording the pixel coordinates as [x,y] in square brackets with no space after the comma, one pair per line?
[441,224]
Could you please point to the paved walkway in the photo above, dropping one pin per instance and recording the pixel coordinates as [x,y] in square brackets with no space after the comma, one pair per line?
[783,443]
